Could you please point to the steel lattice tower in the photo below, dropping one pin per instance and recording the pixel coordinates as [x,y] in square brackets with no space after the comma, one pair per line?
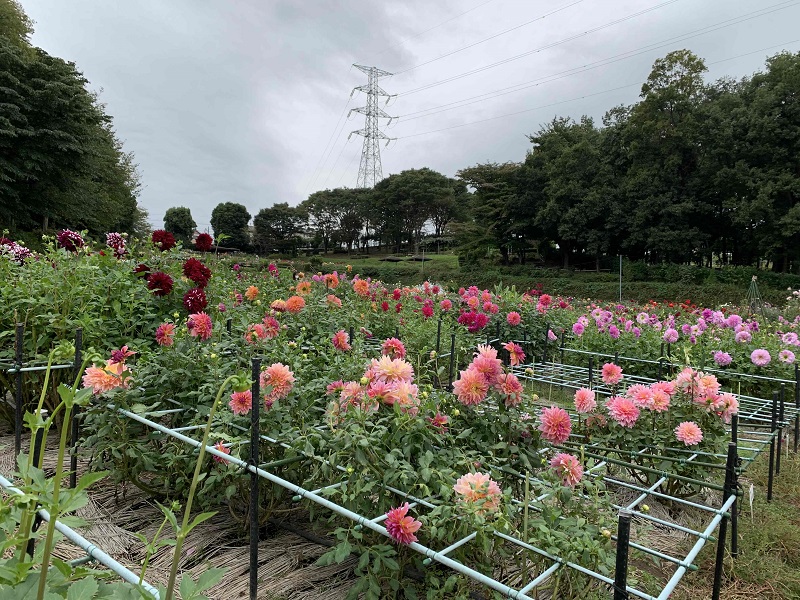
[370,171]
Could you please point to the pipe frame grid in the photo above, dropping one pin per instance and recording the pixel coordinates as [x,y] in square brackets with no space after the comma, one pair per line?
[443,559]
[559,374]
[685,563]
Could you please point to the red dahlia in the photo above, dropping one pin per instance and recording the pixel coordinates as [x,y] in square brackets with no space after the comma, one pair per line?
[69,240]
[203,242]
[142,270]
[197,272]
[195,300]
[163,240]
[160,283]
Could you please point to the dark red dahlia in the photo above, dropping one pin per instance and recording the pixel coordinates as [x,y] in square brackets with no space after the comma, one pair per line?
[142,270]
[163,240]
[69,240]
[195,300]
[160,283]
[197,272]
[203,242]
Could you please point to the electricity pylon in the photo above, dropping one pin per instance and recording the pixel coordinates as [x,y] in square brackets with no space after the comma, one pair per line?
[370,171]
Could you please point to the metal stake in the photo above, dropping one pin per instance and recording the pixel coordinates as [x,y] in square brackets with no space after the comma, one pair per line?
[254,458]
[621,570]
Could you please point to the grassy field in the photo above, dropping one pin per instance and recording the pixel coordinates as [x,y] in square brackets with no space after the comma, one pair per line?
[707,287]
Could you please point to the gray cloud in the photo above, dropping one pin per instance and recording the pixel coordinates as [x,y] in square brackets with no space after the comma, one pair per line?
[235,101]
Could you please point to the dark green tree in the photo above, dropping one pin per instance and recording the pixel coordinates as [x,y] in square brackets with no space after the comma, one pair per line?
[402,203]
[278,228]
[61,164]
[178,221]
[232,219]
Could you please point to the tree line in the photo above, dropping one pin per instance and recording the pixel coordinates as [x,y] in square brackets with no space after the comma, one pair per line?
[61,164]
[694,172]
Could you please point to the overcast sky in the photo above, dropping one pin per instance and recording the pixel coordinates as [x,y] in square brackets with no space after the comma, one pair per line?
[236,100]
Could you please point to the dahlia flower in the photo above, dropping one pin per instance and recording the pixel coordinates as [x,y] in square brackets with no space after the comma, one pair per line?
[470,387]
[585,400]
[555,425]
[689,433]
[199,325]
[400,527]
[568,468]
[480,490]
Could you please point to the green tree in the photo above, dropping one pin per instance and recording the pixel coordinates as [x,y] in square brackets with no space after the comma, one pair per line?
[61,164]
[568,157]
[232,219]
[178,221]
[403,202]
[278,228]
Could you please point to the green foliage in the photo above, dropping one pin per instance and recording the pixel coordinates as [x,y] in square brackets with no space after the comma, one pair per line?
[277,229]
[179,222]
[231,219]
[61,164]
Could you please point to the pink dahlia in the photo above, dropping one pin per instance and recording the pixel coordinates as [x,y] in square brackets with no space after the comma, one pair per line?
[585,400]
[568,468]
[515,353]
[510,388]
[271,327]
[487,364]
[513,318]
[445,305]
[400,527]
[623,410]
[165,334]
[786,356]
[439,421]
[106,378]
[390,370]
[760,357]
[199,325]
[279,379]
[555,425]
[241,402]
[341,340]
[611,374]
[689,433]
[220,447]
[470,387]
[641,395]
[480,490]
[393,348]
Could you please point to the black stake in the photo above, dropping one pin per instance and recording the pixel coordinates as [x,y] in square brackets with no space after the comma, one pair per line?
[452,361]
[591,373]
[18,348]
[729,489]
[438,336]
[773,427]
[621,570]
[254,457]
[37,462]
[76,431]
[228,325]
[546,340]
[735,506]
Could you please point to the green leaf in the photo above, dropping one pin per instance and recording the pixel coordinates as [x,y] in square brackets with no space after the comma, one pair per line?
[84,589]
[209,579]
[199,519]
[187,587]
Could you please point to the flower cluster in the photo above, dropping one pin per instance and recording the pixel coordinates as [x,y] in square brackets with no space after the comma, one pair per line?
[387,380]
[113,375]
[203,242]
[197,272]
[163,240]
[195,300]
[13,250]
[69,240]
[485,372]
[479,492]
[116,241]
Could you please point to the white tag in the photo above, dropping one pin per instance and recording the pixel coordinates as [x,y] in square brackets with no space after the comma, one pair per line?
[752,495]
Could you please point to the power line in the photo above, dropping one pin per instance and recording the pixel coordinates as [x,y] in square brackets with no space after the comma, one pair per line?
[416,35]
[497,35]
[320,162]
[580,69]
[638,83]
[757,13]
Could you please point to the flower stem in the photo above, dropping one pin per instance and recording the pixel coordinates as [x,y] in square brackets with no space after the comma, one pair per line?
[181,534]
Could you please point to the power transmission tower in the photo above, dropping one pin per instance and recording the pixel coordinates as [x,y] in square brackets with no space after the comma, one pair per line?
[370,171]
